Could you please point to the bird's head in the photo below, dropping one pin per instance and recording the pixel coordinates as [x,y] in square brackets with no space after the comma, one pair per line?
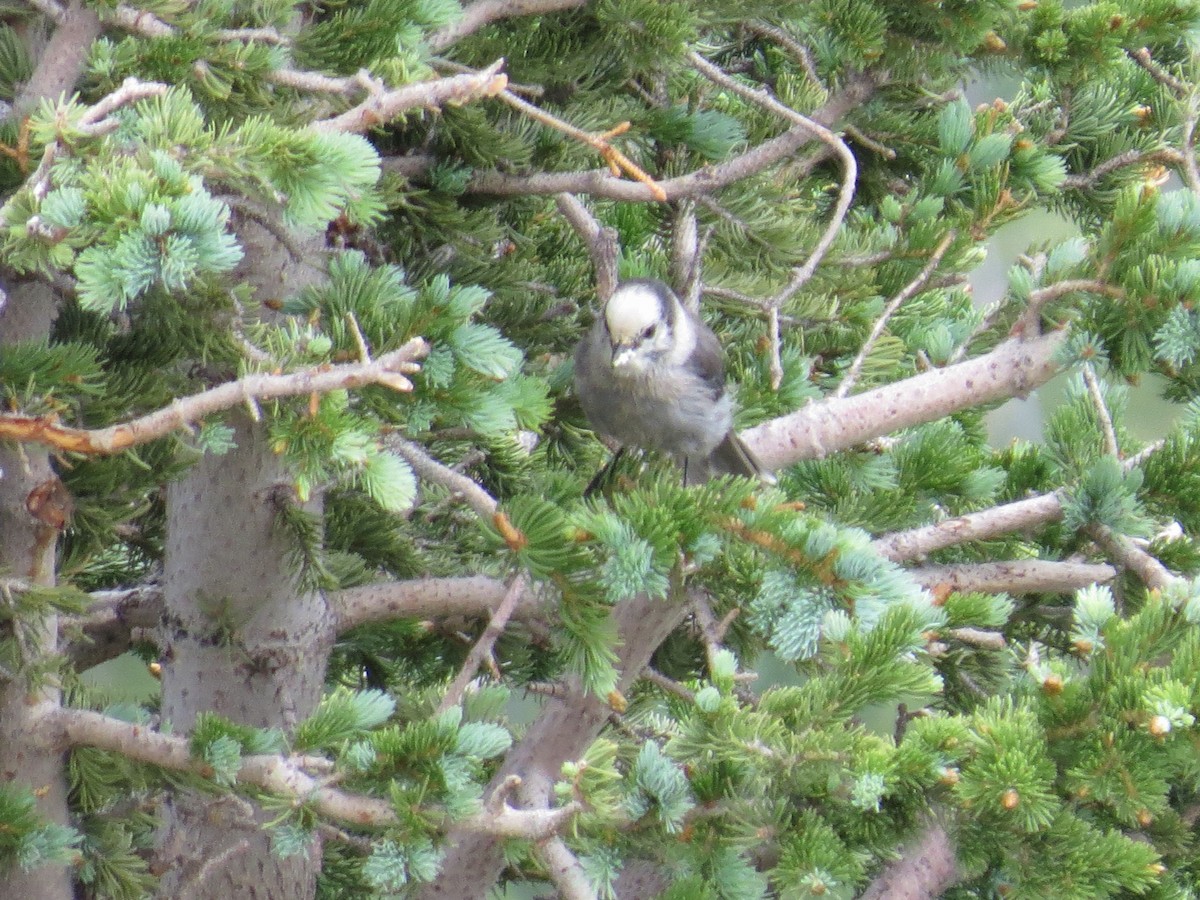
[642,318]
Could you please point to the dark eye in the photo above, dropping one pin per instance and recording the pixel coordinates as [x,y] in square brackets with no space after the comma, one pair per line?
[648,331]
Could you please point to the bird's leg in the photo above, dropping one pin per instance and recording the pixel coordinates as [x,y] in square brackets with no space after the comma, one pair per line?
[601,478]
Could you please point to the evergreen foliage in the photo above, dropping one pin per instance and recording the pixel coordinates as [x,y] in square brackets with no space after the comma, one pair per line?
[1050,732]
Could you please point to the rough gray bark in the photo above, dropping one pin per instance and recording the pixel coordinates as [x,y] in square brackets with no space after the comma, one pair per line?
[564,730]
[242,640]
[27,551]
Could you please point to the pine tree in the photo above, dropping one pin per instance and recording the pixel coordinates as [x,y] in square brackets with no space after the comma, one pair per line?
[288,294]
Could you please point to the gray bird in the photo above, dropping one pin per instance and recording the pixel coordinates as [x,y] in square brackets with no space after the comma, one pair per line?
[650,374]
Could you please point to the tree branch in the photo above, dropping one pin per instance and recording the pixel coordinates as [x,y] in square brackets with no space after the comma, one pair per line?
[926,868]
[563,731]
[388,370]
[602,183]
[483,647]
[1020,515]
[383,106]
[1152,573]
[1012,369]
[1019,576]
[107,629]
[428,598]
[600,241]
[430,469]
[483,12]
[1107,429]
[564,869]
[905,293]
[63,59]
[282,776]
[821,133]
[84,728]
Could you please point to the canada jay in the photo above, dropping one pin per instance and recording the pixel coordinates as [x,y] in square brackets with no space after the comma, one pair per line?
[650,374]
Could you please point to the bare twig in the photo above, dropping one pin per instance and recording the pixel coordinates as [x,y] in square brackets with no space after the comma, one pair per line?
[1143,58]
[617,161]
[139,21]
[487,640]
[430,469]
[977,637]
[601,242]
[859,137]
[1191,173]
[889,310]
[1144,454]
[390,370]
[670,685]
[360,82]
[1086,180]
[1107,429]
[1020,576]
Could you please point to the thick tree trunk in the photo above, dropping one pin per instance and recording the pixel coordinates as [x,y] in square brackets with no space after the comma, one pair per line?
[29,506]
[243,641]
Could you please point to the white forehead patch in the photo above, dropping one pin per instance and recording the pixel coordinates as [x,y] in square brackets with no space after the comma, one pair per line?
[631,310]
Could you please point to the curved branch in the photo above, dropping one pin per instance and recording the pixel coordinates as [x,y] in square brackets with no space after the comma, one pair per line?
[389,369]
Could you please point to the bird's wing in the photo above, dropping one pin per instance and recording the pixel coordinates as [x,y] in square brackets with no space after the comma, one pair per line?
[708,361]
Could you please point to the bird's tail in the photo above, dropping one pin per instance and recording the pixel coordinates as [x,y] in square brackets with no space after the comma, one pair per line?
[731,457]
